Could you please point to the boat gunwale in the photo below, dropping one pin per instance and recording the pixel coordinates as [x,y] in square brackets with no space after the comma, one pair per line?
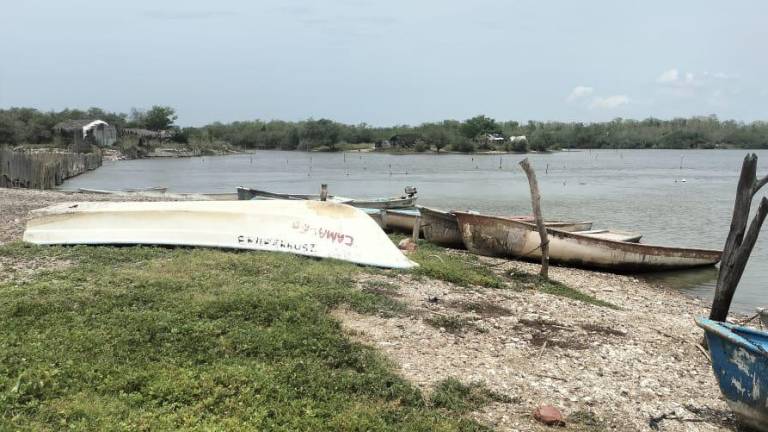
[388,203]
[447,215]
[732,333]
[624,246]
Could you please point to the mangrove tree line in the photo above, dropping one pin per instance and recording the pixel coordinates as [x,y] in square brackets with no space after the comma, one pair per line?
[19,126]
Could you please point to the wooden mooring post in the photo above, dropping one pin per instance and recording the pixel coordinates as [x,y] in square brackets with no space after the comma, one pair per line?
[741,240]
[416,229]
[323,192]
[536,204]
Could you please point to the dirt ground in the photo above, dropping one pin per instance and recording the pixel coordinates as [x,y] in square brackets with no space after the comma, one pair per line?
[636,368]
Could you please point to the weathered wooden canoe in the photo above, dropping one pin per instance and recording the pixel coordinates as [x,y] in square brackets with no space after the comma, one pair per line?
[441,227]
[220,196]
[158,189]
[740,362]
[403,202]
[247,194]
[377,215]
[610,234]
[374,203]
[129,191]
[400,220]
[312,228]
[561,225]
[509,238]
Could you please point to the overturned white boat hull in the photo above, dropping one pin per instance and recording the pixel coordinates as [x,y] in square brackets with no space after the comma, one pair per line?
[311,228]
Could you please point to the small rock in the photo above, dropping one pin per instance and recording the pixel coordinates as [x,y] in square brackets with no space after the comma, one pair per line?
[407,245]
[549,415]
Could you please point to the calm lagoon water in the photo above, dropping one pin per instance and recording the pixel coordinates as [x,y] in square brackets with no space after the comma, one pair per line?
[674,197]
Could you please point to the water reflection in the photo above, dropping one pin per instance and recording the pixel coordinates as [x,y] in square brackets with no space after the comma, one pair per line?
[694,282]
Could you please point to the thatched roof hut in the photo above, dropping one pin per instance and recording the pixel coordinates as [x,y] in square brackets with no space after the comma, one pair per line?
[81,134]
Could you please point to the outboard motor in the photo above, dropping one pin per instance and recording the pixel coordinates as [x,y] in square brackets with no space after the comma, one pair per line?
[410,191]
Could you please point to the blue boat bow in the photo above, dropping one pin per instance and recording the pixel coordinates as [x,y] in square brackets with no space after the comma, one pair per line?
[740,362]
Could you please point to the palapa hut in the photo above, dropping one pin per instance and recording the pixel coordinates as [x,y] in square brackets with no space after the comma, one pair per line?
[80,135]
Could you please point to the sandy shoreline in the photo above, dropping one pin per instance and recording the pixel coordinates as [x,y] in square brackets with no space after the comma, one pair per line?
[623,366]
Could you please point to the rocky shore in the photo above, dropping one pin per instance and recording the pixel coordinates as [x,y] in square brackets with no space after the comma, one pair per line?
[633,366]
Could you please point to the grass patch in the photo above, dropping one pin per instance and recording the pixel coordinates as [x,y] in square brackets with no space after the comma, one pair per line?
[460,269]
[556,288]
[484,309]
[587,420]
[451,394]
[375,304]
[452,323]
[167,339]
[380,286]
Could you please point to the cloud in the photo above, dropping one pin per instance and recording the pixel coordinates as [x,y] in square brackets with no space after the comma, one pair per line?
[675,78]
[720,76]
[609,102]
[585,96]
[689,85]
[669,76]
[185,15]
[579,92]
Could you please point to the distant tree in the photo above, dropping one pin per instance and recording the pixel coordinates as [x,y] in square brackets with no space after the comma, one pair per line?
[477,125]
[464,145]
[321,132]
[438,138]
[518,146]
[7,130]
[159,118]
[542,139]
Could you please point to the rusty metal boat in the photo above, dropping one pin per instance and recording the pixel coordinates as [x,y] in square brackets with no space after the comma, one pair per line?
[510,238]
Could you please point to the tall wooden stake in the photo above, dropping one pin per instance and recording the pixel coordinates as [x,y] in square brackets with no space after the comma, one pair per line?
[416,229]
[323,192]
[536,204]
[740,241]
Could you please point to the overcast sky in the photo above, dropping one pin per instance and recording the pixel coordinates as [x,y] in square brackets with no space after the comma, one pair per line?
[389,62]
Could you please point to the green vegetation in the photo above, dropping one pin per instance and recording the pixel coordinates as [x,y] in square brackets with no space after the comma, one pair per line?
[587,421]
[454,324]
[30,126]
[157,118]
[167,339]
[451,394]
[553,287]
[461,269]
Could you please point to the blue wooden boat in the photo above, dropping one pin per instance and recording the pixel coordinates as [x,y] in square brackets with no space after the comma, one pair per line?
[740,361]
